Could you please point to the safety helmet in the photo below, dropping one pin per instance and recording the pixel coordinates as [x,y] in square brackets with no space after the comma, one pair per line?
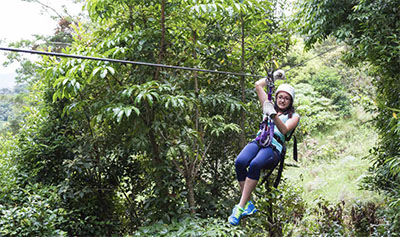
[286,88]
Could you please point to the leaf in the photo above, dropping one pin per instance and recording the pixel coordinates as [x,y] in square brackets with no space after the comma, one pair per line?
[111,70]
[138,98]
[137,111]
[128,111]
[104,73]
[95,71]
[56,95]
[119,116]
[149,99]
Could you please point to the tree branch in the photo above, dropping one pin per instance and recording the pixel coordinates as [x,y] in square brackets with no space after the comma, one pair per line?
[196,169]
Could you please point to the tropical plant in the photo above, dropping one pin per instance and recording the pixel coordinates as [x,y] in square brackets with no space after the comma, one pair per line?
[370,29]
[139,144]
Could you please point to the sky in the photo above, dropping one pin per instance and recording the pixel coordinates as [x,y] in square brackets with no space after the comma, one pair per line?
[20,20]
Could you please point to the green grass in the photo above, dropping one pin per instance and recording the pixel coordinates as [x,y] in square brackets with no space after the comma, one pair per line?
[333,163]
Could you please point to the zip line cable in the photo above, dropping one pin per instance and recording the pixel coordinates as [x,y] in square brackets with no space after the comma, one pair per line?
[151,64]
[316,56]
[126,62]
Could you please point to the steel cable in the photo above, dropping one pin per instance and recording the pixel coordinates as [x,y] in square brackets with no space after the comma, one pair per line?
[126,62]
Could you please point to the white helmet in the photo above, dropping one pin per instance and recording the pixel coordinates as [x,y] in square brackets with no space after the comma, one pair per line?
[286,88]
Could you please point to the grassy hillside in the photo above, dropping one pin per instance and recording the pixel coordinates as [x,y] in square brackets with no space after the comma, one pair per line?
[332,163]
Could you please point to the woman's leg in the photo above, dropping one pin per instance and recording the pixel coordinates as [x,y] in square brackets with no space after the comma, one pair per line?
[248,188]
[265,158]
[243,161]
[241,185]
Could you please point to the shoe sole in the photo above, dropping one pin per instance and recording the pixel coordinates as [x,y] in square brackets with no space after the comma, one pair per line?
[234,224]
[250,213]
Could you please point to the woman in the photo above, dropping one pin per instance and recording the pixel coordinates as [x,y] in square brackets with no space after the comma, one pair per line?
[255,157]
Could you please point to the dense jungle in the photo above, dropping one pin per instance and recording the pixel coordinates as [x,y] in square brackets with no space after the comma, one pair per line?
[99,148]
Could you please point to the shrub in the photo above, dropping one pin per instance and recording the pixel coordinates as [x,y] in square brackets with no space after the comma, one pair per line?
[316,111]
[32,211]
[280,210]
[365,218]
[325,219]
[191,226]
[26,209]
[329,84]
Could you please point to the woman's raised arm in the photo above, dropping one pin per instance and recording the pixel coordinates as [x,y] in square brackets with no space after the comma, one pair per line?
[262,95]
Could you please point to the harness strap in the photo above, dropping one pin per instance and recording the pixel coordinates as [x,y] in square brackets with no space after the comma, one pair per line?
[282,158]
[281,163]
[295,148]
[294,144]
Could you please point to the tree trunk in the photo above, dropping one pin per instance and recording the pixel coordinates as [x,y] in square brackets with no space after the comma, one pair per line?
[196,83]
[190,197]
[242,84]
[162,41]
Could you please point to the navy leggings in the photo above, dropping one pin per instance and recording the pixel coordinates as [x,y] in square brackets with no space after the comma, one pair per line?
[255,158]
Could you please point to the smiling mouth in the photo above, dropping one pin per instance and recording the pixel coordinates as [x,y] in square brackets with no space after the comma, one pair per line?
[282,104]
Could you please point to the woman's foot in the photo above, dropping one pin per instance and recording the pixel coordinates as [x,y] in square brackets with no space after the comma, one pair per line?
[249,209]
[234,218]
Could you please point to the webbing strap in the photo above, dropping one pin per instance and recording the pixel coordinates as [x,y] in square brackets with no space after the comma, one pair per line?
[295,148]
[294,143]
[282,162]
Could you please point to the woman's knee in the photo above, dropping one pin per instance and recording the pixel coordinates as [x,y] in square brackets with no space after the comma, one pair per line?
[256,166]
[254,170]
[241,163]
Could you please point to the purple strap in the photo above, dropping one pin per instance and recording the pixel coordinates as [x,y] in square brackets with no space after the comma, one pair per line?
[267,127]
[270,93]
[271,122]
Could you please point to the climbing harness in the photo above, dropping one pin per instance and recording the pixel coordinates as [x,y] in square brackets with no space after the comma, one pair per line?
[281,160]
[266,134]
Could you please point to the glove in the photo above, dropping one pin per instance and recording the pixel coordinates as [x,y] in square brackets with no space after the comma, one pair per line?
[279,75]
[268,109]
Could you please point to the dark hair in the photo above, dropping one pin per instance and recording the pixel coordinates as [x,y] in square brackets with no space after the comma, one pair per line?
[289,110]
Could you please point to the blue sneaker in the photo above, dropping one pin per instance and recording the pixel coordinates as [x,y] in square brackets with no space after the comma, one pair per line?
[249,209]
[234,219]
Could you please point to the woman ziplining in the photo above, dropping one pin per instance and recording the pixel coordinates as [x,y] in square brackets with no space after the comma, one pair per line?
[266,150]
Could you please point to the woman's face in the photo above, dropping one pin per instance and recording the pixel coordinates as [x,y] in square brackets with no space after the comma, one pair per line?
[283,100]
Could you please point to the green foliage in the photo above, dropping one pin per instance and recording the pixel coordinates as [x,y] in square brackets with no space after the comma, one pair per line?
[32,210]
[391,215]
[338,219]
[330,218]
[280,210]
[11,109]
[5,111]
[371,30]
[314,109]
[191,227]
[138,144]
[26,209]
[328,82]
[365,218]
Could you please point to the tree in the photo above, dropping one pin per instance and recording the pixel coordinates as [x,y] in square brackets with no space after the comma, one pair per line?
[138,144]
[371,30]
